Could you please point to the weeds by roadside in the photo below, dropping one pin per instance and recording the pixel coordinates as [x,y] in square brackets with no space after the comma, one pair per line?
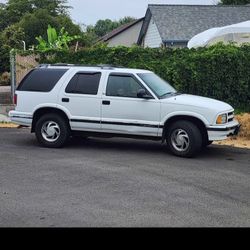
[244,120]
[243,138]
[4,124]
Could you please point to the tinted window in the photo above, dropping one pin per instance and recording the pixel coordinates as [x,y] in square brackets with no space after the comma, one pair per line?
[41,80]
[84,83]
[124,86]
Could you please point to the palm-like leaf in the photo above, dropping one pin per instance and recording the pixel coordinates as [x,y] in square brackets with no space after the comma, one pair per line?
[55,42]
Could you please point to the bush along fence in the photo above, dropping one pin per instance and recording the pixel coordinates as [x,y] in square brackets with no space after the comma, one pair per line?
[220,71]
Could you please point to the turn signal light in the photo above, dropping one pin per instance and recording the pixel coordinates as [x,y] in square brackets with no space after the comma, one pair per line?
[222,119]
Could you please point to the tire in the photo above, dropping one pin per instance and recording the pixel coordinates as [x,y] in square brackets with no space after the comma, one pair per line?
[206,143]
[184,139]
[52,131]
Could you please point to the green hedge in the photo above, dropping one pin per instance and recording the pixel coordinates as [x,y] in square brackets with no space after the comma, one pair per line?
[221,72]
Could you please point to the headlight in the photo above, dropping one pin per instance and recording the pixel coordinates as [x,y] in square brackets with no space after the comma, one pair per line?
[221,119]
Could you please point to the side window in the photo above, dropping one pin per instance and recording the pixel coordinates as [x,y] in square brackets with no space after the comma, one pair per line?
[84,83]
[124,86]
[41,80]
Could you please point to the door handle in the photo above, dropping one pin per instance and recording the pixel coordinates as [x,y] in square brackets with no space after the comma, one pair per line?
[105,102]
[65,99]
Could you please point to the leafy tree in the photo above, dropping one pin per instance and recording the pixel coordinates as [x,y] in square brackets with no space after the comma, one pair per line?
[102,27]
[87,39]
[126,19]
[234,2]
[66,22]
[13,11]
[16,9]
[12,37]
[4,57]
[3,18]
[27,19]
[55,7]
[36,24]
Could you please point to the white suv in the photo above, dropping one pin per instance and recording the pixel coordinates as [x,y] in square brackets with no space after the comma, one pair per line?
[58,101]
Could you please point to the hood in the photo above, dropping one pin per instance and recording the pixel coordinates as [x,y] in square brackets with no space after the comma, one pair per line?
[198,101]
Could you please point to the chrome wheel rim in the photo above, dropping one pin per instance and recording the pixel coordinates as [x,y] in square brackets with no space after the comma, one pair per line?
[180,140]
[50,131]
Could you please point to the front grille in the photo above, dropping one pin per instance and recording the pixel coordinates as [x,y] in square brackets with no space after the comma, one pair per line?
[230,116]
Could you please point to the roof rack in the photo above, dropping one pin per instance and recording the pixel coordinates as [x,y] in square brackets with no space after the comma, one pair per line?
[102,66]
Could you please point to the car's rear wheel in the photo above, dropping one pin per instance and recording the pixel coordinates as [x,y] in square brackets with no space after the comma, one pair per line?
[52,131]
[184,138]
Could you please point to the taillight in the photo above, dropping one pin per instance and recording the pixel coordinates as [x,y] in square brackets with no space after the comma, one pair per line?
[15,99]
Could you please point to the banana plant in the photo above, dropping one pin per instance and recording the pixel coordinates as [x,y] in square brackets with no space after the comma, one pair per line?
[55,41]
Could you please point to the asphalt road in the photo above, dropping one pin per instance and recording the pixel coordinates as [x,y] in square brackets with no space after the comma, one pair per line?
[120,183]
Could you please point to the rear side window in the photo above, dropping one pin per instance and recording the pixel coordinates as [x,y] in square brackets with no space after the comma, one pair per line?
[41,80]
[84,83]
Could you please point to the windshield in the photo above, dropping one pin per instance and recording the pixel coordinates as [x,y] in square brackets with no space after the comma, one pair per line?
[159,86]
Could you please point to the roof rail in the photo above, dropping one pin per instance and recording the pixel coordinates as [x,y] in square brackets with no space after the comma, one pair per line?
[102,66]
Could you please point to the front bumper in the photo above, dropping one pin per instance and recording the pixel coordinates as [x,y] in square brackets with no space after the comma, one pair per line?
[217,133]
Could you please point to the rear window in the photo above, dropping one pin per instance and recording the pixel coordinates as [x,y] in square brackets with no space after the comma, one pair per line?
[41,80]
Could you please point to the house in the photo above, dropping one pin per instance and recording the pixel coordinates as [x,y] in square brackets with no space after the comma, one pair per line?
[175,25]
[126,35]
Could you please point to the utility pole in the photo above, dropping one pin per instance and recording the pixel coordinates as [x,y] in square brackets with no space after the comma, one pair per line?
[13,72]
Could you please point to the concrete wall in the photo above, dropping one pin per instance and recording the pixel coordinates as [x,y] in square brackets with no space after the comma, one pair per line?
[23,65]
[5,97]
[5,109]
[127,37]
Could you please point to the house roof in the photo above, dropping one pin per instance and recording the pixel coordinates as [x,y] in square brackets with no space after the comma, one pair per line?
[182,22]
[118,30]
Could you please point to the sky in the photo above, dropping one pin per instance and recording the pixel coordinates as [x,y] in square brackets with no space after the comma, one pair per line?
[89,11]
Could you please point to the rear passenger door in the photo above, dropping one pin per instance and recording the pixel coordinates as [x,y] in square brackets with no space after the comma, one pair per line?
[82,99]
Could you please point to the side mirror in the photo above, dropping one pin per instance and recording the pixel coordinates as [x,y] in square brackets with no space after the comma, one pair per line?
[143,94]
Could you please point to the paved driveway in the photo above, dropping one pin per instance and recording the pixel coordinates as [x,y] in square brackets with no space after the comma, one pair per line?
[120,182]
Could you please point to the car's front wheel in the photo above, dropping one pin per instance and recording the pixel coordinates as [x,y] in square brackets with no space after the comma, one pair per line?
[184,138]
[52,131]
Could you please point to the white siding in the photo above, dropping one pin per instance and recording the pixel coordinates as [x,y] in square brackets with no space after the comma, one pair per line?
[127,37]
[152,38]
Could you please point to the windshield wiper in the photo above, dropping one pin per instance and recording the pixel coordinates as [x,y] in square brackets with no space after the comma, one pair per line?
[170,93]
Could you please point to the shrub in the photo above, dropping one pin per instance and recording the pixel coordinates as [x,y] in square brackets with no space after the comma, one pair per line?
[5,78]
[220,71]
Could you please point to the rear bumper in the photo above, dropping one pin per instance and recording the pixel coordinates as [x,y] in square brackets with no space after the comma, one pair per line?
[20,118]
[221,133]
